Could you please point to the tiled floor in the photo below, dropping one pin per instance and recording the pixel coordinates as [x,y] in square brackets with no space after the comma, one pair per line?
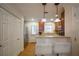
[29,50]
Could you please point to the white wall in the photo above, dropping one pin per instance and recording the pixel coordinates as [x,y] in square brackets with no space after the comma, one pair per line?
[71,26]
[31,38]
[68,20]
[26,32]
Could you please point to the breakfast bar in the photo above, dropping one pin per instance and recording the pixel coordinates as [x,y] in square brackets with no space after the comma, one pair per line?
[53,45]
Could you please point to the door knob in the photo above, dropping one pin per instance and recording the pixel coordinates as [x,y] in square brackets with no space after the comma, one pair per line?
[75,39]
[0,45]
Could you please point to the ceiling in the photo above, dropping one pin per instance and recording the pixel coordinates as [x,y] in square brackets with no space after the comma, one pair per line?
[35,10]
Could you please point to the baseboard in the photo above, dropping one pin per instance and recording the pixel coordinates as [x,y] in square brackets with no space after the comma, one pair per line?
[20,52]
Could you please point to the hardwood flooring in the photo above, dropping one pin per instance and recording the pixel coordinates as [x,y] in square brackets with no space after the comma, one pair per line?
[29,50]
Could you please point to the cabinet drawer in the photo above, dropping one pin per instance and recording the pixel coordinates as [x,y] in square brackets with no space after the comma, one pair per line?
[44,50]
[44,42]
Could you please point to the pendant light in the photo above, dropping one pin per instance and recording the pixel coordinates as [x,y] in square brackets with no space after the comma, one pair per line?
[56,16]
[44,12]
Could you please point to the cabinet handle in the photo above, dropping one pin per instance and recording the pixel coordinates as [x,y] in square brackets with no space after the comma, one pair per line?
[18,39]
[0,45]
[75,39]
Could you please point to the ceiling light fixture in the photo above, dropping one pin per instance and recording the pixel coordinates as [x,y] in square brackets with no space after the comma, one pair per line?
[56,16]
[52,19]
[44,19]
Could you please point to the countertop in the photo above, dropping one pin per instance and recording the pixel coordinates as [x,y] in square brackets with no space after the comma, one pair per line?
[51,36]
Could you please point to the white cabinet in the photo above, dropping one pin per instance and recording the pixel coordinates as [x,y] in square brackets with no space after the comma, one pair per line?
[11,40]
[44,46]
[51,45]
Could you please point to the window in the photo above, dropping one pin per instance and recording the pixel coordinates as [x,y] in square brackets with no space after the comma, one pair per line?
[49,27]
[34,27]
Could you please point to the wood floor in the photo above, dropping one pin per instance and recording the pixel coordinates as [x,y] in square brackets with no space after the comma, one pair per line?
[29,50]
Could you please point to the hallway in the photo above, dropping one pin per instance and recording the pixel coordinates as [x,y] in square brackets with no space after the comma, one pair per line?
[29,50]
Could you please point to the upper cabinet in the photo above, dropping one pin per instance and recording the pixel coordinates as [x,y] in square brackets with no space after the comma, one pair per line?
[59,26]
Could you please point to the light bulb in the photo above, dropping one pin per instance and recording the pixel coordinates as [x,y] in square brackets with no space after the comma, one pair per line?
[43,20]
[33,19]
[52,19]
[57,20]
[56,15]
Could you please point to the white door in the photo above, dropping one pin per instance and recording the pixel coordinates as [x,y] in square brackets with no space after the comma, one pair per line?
[75,50]
[5,36]
[16,35]
[0,32]
[11,34]
[19,36]
[5,41]
[4,33]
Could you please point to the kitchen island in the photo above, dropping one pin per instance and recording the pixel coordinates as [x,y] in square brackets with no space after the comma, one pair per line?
[50,45]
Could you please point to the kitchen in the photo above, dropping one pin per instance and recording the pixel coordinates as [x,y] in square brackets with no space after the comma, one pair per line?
[51,27]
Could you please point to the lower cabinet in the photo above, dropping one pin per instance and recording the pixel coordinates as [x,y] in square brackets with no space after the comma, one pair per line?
[44,50]
[53,46]
[44,46]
